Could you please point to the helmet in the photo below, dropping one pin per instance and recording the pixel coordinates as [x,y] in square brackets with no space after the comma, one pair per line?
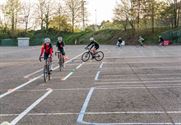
[60,38]
[92,39]
[47,40]
[119,38]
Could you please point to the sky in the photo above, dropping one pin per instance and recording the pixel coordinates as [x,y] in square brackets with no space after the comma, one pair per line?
[98,10]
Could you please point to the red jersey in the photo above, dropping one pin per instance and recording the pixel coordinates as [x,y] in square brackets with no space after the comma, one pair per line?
[48,49]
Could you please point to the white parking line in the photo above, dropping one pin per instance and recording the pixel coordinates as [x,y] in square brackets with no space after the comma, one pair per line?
[20,116]
[19,87]
[97,75]
[66,77]
[134,82]
[27,76]
[141,123]
[95,113]
[30,81]
[84,107]
[79,65]
[101,65]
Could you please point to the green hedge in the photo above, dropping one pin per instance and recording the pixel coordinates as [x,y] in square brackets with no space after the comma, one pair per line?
[9,42]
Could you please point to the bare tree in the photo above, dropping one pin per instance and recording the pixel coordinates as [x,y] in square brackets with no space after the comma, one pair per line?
[124,13]
[26,11]
[12,8]
[74,11]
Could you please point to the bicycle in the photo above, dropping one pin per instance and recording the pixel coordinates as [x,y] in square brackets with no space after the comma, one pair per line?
[46,70]
[98,56]
[60,60]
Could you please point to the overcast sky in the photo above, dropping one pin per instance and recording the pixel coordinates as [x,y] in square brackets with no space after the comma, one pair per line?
[98,10]
[104,10]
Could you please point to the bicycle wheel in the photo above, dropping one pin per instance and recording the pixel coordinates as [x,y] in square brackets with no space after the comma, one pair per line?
[99,56]
[61,64]
[45,74]
[85,56]
[49,73]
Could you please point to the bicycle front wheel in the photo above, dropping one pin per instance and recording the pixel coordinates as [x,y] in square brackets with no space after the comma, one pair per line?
[45,74]
[85,56]
[99,56]
[61,64]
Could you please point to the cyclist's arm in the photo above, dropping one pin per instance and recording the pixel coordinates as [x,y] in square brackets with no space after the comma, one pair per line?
[89,44]
[42,50]
[51,51]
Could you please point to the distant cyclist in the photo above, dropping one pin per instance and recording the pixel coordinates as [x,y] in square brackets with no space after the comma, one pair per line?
[141,40]
[60,46]
[94,45]
[161,40]
[47,51]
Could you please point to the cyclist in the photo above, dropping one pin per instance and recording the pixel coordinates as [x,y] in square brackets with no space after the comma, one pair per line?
[94,46]
[119,42]
[60,44]
[161,41]
[141,40]
[47,51]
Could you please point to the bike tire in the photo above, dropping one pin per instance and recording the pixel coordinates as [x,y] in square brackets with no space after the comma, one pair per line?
[99,56]
[49,73]
[85,56]
[60,64]
[45,74]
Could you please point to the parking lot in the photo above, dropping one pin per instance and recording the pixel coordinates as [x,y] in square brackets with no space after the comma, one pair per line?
[131,86]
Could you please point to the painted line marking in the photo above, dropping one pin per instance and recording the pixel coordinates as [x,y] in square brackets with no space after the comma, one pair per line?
[108,82]
[94,113]
[79,65]
[119,87]
[19,87]
[97,75]
[104,87]
[65,78]
[101,65]
[27,76]
[30,81]
[20,116]
[85,105]
[164,123]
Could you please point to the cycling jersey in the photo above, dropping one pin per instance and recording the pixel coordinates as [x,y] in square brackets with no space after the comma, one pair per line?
[60,46]
[94,44]
[46,49]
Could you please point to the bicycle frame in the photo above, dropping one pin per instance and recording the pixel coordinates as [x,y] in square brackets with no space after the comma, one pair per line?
[46,71]
[61,59]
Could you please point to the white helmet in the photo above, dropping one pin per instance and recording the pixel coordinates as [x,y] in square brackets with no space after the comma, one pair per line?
[47,40]
[60,38]
[92,39]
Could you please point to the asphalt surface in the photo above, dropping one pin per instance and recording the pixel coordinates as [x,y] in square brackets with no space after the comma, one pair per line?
[131,85]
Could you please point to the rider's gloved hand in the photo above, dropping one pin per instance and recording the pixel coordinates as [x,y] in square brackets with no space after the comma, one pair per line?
[40,58]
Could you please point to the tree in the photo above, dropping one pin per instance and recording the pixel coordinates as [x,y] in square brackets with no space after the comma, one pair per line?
[12,8]
[74,11]
[124,13]
[26,11]
[60,23]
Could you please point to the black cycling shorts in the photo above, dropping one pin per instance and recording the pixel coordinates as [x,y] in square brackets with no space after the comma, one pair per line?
[62,52]
[46,55]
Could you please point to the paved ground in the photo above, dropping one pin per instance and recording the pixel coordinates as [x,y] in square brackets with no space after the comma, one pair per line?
[132,85]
